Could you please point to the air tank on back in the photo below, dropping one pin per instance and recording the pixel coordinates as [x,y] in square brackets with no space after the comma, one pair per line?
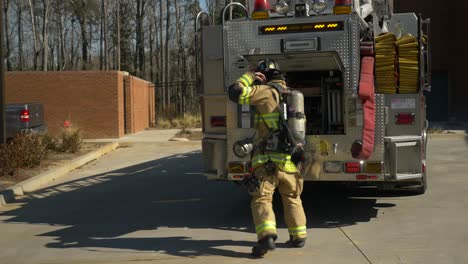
[296,116]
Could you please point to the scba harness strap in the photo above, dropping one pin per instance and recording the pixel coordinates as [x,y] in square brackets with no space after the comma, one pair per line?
[280,138]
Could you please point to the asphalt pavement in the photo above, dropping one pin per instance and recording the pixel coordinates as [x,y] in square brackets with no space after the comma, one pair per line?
[148,202]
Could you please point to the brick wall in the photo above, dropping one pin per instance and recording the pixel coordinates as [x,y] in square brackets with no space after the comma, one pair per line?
[139,104]
[93,100]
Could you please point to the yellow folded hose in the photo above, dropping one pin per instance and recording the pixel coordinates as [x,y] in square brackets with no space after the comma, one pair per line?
[384,37]
[385,63]
[408,64]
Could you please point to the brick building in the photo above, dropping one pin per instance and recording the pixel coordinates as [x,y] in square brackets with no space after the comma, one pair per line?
[104,104]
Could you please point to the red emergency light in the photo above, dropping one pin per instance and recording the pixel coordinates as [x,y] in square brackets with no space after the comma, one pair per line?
[343,2]
[342,7]
[262,5]
[261,9]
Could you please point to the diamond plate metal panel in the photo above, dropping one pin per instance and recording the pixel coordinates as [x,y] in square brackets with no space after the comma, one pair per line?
[379,128]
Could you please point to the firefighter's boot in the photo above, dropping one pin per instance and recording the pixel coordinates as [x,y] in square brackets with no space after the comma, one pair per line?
[296,243]
[264,245]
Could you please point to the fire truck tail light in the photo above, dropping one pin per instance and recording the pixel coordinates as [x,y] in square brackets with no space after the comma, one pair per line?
[218,121]
[342,7]
[366,177]
[353,167]
[261,9]
[24,116]
[404,118]
[361,177]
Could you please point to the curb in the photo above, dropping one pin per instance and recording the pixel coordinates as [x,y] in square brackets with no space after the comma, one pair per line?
[179,139]
[36,182]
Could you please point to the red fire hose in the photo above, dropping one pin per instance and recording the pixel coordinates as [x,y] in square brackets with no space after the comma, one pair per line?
[367,95]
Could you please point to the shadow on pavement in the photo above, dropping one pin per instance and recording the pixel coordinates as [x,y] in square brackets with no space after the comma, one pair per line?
[170,192]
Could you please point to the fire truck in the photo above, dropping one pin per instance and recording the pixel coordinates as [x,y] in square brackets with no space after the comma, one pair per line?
[361,68]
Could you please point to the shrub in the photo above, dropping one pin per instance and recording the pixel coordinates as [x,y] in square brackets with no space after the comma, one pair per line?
[163,124]
[49,142]
[8,163]
[72,140]
[24,151]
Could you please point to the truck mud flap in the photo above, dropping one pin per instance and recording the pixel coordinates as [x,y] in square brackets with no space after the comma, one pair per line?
[404,157]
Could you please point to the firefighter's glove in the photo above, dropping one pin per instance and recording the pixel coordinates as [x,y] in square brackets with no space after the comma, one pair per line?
[259,78]
[251,183]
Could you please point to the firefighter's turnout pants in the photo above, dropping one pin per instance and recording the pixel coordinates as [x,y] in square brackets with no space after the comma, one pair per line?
[290,187]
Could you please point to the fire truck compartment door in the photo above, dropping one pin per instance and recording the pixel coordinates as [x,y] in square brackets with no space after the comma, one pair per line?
[404,157]
[309,61]
[212,60]
[214,97]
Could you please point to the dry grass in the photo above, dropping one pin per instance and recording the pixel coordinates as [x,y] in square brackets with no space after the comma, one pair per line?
[435,130]
[189,121]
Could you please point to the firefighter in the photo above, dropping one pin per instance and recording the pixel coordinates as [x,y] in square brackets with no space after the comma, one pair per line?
[272,169]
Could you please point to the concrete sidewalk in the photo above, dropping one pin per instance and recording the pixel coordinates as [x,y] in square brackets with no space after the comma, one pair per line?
[149,136]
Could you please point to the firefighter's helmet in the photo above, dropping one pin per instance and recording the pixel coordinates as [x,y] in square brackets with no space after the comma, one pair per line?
[267,65]
[270,69]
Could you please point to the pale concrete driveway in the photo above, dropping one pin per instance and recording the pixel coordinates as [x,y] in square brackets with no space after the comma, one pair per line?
[148,203]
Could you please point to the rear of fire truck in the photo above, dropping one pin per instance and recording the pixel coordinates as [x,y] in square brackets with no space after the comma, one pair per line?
[361,68]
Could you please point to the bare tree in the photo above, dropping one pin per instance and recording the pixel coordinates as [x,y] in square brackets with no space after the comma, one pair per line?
[32,6]
[103,43]
[151,49]
[82,10]
[101,38]
[106,37]
[45,38]
[20,33]
[118,36]
[166,66]
[6,4]
[62,61]
[180,50]
[140,48]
